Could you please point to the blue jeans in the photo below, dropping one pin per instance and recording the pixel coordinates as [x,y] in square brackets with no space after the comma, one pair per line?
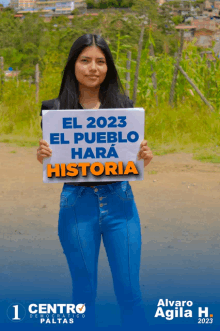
[86,214]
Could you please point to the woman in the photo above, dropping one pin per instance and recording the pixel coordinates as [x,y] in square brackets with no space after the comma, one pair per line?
[94,209]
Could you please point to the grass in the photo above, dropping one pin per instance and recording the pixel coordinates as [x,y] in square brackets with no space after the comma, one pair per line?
[207,158]
[165,151]
[189,128]
[153,172]
[20,141]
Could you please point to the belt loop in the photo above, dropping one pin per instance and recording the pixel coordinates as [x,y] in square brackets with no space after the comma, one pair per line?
[81,190]
[110,187]
[124,185]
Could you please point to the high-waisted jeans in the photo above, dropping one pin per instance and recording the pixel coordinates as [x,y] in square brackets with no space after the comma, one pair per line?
[86,214]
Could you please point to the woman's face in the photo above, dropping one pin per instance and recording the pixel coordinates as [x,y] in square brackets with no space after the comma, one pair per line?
[91,62]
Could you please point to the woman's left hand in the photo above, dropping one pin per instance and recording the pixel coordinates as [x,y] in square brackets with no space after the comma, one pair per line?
[145,153]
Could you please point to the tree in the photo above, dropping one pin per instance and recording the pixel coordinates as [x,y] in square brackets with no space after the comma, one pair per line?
[177,19]
[90,4]
[165,21]
[146,9]
[9,9]
[75,11]
[127,3]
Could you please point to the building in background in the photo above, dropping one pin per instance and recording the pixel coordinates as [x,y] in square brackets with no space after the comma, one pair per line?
[161,2]
[13,4]
[18,4]
[47,6]
[189,31]
[64,7]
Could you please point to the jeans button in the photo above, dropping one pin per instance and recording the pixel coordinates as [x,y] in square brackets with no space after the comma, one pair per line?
[100,198]
[96,190]
[101,205]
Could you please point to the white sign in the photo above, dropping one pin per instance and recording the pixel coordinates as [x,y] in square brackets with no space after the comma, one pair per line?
[93,145]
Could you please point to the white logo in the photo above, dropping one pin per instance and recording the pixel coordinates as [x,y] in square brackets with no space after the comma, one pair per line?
[16,312]
[80,308]
[45,313]
[203,312]
[180,309]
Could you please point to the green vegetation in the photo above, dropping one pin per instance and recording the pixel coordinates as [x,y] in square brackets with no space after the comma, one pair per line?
[208,157]
[103,4]
[188,127]
[153,172]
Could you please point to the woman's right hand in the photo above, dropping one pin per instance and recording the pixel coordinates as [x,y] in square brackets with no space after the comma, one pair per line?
[43,151]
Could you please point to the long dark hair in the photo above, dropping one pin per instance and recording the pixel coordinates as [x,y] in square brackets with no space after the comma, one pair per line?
[111,92]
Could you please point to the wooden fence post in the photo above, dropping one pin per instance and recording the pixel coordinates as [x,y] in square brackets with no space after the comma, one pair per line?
[128,67]
[138,63]
[17,76]
[195,88]
[37,82]
[30,81]
[179,55]
[2,74]
[153,77]
[209,68]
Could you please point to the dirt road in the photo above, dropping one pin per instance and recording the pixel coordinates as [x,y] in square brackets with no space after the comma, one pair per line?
[179,209]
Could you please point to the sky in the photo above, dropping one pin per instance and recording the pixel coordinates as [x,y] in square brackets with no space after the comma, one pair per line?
[4,2]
